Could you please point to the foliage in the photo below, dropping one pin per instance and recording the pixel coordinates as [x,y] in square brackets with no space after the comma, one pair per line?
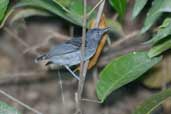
[151,103]
[160,47]
[119,6]
[52,7]
[3,8]
[157,8]
[139,4]
[123,70]
[163,32]
[6,109]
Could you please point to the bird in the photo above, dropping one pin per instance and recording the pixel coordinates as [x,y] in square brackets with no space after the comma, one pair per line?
[68,54]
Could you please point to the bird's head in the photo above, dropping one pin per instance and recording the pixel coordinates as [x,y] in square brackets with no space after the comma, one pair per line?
[97,33]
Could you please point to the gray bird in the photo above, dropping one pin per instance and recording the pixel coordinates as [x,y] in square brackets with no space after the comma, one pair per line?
[69,52]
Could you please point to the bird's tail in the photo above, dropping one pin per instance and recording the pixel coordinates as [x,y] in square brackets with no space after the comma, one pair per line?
[41,58]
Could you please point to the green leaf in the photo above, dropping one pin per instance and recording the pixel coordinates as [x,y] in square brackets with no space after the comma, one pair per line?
[63,3]
[163,32]
[9,12]
[6,109]
[119,6]
[158,7]
[139,5]
[123,70]
[27,12]
[3,8]
[153,14]
[153,102]
[159,48]
[74,7]
[52,7]
[166,6]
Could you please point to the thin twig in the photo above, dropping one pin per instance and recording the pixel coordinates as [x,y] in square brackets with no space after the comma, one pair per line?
[99,13]
[62,90]
[61,87]
[19,102]
[6,78]
[125,38]
[17,38]
[60,37]
[83,66]
[122,40]
[88,15]
[21,74]
[82,77]
[91,100]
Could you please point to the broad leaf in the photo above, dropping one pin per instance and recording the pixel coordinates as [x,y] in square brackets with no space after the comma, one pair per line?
[123,70]
[152,15]
[71,6]
[52,7]
[153,102]
[158,7]
[139,5]
[27,12]
[119,6]
[74,8]
[160,47]
[3,8]
[6,109]
[9,12]
[163,32]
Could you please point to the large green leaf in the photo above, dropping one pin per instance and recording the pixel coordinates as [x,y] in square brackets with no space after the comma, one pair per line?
[123,70]
[3,8]
[153,102]
[27,12]
[139,5]
[6,109]
[74,8]
[52,7]
[119,6]
[71,6]
[158,7]
[160,47]
[163,32]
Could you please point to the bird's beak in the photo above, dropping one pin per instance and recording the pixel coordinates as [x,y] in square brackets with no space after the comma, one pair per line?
[106,29]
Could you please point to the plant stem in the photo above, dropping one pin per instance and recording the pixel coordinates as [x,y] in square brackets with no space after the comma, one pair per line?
[82,64]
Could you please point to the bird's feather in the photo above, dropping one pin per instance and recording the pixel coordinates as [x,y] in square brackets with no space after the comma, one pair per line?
[62,49]
[67,47]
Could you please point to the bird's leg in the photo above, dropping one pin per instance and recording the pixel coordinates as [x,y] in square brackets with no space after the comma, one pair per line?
[73,74]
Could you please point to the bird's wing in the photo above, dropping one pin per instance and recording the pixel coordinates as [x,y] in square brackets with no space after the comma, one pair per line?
[61,49]
[67,47]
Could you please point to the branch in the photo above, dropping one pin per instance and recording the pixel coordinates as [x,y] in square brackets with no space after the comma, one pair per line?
[19,102]
[82,66]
